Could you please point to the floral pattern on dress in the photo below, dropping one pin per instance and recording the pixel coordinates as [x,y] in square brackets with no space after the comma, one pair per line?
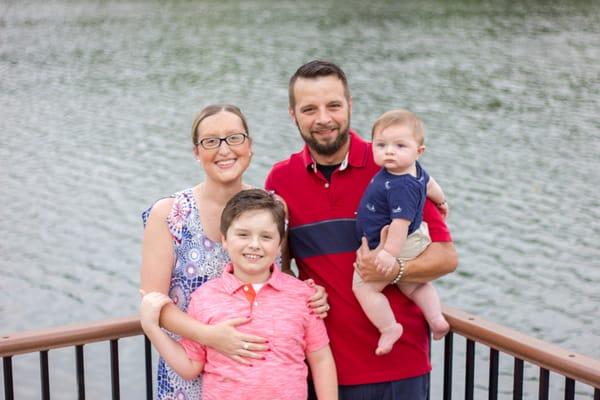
[197,260]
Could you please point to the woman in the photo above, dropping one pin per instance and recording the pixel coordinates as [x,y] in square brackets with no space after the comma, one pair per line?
[182,249]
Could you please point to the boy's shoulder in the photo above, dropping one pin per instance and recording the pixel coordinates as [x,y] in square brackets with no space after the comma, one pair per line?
[207,288]
[293,285]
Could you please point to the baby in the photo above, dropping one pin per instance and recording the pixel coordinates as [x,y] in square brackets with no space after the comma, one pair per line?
[395,197]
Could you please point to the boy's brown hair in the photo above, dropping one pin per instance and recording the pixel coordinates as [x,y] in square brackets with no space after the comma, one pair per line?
[400,117]
[253,199]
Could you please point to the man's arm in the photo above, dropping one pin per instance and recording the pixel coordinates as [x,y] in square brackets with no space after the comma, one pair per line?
[440,257]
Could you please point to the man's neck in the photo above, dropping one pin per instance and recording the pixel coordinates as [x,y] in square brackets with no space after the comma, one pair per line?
[333,159]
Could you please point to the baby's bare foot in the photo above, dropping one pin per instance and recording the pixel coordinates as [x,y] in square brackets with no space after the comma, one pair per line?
[387,339]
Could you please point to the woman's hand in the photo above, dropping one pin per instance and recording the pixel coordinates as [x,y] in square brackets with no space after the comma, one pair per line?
[238,346]
[318,301]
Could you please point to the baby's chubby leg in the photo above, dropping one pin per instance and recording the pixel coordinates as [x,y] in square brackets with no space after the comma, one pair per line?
[378,310]
[426,297]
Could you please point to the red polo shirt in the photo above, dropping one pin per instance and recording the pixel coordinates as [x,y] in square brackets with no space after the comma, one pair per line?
[323,242]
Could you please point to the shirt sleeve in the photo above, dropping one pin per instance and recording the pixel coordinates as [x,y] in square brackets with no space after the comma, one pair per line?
[403,201]
[315,333]
[438,231]
[195,351]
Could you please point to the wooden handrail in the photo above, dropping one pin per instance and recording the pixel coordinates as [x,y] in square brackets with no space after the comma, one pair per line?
[552,357]
[69,335]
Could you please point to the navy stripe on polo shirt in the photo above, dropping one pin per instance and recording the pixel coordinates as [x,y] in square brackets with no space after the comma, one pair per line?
[324,237]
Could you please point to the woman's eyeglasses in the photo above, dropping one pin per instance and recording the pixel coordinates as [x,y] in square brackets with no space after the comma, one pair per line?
[210,143]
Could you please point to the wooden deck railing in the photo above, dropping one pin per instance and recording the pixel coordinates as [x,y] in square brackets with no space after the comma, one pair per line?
[499,339]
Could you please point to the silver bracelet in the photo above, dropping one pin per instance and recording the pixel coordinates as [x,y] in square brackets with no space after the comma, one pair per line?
[400,273]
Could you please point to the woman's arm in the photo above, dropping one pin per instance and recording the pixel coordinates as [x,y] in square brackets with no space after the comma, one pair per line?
[322,369]
[157,263]
[173,353]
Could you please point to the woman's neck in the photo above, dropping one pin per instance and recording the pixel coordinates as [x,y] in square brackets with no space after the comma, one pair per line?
[219,192]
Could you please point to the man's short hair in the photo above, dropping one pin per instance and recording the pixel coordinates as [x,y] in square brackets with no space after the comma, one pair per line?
[315,69]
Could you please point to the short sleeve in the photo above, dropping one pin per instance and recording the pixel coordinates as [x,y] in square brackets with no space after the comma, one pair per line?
[438,231]
[315,333]
[403,201]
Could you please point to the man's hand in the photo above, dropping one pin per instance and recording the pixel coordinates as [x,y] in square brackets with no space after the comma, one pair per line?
[365,263]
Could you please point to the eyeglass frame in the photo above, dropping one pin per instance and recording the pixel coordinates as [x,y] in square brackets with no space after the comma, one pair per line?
[223,139]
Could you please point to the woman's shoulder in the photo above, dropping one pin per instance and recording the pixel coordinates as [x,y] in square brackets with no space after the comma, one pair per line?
[163,208]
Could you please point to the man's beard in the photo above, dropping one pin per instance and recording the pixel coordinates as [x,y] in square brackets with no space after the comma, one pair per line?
[326,149]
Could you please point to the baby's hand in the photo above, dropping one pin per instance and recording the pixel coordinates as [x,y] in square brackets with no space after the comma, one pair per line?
[150,308]
[443,208]
[385,262]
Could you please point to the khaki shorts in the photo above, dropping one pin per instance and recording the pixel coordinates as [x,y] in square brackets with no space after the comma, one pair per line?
[415,244]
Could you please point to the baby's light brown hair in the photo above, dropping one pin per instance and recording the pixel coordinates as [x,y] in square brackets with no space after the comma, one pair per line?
[400,117]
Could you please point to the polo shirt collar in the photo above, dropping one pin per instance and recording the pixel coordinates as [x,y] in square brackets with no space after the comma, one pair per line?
[231,283]
[356,156]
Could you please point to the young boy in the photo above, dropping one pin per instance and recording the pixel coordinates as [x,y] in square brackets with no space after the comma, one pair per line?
[252,227]
[396,197]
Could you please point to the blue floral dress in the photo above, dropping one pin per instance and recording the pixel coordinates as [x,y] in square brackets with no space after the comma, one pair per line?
[197,260]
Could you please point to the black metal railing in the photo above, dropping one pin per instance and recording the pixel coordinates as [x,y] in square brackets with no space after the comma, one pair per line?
[500,340]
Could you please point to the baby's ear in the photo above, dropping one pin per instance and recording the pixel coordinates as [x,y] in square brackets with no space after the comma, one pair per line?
[421,150]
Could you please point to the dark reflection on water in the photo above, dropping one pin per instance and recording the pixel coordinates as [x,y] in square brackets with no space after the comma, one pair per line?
[96,100]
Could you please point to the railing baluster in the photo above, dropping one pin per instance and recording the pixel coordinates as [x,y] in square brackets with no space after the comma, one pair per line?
[114,369]
[80,372]
[493,385]
[8,378]
[44,377]
[470,370]
[148,352]
[544,384]
[518,380]
[448,366]
[596,394]
[569,389]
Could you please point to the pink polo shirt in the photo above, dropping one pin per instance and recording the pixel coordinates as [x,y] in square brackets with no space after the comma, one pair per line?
[280,314]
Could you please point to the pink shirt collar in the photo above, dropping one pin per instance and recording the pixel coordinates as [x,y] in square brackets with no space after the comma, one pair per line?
[232,284]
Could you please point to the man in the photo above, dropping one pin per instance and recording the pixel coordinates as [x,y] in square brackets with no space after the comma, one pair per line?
[322,186]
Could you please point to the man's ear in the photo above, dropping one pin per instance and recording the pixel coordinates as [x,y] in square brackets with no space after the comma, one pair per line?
[292,114]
